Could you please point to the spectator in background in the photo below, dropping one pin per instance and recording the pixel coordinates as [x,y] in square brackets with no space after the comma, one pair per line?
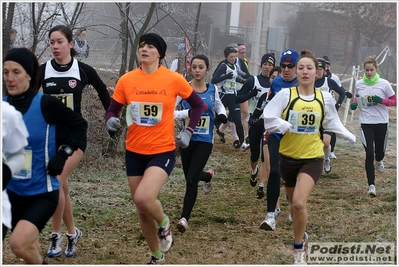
[13,37]
[81,45]
[373,96]
[178,63]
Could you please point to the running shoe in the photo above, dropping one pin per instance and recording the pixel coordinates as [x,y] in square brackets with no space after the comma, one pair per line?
[300,257]
[236,144]
[165,236]
[277,212]
[372,191]
[290,218]
[300,254]
[332,155]
[221,136]
[269,223]
[260,193]
[72,248]
[182,226]
[327,165]
[208,185]
[380,166]
[254,174]
[55,247]
[155,261]
[244,146]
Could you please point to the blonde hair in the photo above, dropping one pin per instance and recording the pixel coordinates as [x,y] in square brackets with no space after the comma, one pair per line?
[371,60]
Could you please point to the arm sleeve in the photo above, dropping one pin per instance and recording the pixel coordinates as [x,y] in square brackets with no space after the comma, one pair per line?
[332,122]
[98,84]
[220,74]
[219,107]
[258,110]
[272,113]
[245,92]
[55,112]
[341,92]
[113,109]
[390,102]
[197,108]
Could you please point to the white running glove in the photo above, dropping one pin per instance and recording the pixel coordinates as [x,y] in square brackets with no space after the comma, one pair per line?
[183,139]
[113,124]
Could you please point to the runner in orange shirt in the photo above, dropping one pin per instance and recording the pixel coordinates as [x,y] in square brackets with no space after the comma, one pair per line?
[150,92]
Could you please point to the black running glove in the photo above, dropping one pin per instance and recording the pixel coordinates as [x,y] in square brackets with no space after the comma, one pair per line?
[56,163]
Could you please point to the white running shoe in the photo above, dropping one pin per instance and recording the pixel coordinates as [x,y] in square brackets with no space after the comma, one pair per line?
[300,257]
[327,165]
[372,191]
[300,254]
[244,146]
[72,248]
[182,226]
[165,236]
[55,247]
[380,166]
[208,185]
[277,212]
[332,155]
[269,223]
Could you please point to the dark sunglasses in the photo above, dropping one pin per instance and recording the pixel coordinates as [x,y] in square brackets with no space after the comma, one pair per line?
[289,65]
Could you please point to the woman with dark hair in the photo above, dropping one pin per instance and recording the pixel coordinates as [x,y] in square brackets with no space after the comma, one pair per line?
[226,78]
[65,78]
[34,191]
[196,155]
[300,114]
[373,96]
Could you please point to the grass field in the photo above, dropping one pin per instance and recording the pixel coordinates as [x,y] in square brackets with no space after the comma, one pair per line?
[224,227]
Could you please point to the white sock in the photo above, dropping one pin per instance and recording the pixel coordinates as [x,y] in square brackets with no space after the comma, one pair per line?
[261,185]
[327,152]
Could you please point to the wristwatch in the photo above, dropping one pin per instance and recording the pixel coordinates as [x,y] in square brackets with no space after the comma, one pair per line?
[67,149]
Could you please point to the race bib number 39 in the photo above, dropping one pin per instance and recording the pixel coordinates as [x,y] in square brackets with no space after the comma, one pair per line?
[144,114]
[304,122]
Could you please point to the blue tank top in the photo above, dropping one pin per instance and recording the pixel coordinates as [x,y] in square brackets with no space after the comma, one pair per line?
[203,132]
[32,179]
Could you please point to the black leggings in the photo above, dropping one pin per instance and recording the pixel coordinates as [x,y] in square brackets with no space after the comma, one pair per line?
[229,101]
[194,159]
[273,184]
[333,141]
[255,134]
[374,138]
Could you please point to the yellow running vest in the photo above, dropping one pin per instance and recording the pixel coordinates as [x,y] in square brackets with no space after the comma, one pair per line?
[304,140]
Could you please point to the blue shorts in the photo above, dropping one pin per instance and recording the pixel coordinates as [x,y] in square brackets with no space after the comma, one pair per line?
[136,164]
